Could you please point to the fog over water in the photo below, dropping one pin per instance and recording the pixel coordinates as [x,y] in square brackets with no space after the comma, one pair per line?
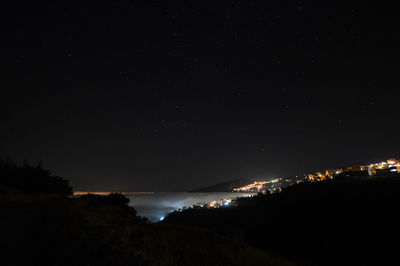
[155,206]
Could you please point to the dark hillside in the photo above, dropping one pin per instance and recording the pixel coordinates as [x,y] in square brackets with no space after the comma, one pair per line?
[103,230]
[43,229]
[349,220]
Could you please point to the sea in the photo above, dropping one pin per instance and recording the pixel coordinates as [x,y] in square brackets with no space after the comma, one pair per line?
[156,205]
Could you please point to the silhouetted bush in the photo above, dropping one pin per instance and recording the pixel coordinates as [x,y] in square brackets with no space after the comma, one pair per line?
[114,202]
[112,198]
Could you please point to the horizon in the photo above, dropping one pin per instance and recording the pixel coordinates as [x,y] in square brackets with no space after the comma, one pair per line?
[78,192]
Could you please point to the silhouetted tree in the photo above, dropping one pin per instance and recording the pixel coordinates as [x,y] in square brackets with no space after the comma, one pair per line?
[28,179]
[40,165]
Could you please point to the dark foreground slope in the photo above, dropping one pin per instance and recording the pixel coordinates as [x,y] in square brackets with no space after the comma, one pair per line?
[349,220]
[40,224]
[103,230]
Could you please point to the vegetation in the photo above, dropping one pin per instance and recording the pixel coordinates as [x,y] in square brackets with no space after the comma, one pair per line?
[42,228]
[30,179]
[348,220]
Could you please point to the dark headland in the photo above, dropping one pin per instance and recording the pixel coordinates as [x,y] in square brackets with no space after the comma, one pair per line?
[227,186]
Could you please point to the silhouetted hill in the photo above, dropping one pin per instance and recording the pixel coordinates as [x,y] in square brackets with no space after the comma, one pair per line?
[348,220]
[226,186]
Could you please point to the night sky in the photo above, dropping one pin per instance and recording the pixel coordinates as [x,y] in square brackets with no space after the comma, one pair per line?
[175,95]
